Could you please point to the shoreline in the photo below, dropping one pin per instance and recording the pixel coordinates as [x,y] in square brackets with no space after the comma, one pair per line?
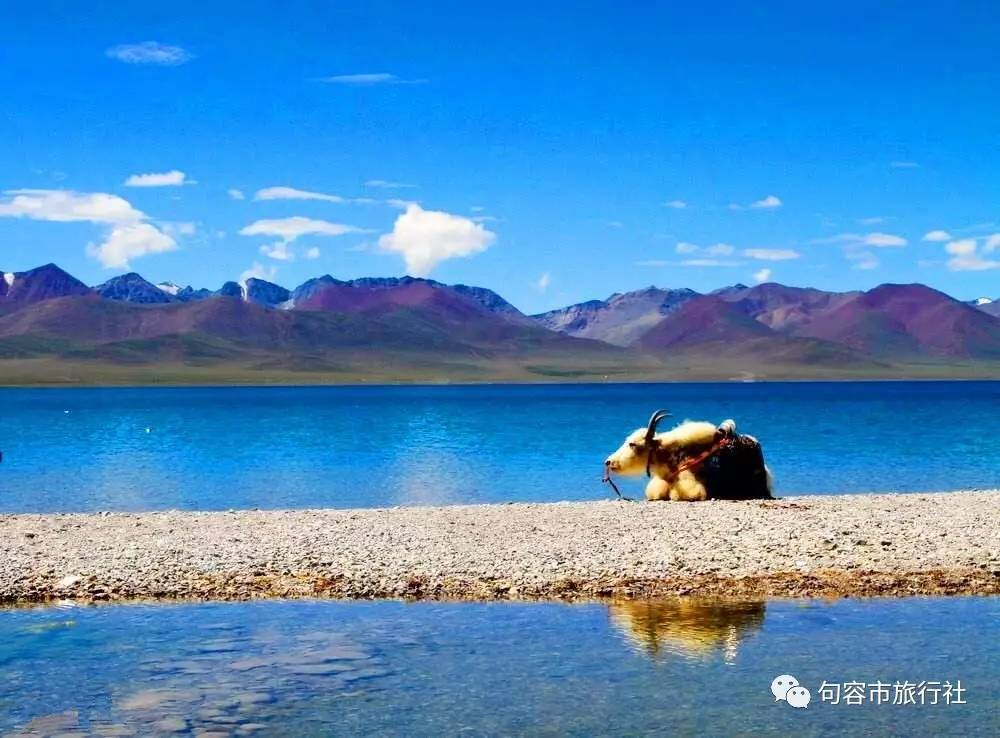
[496,383]
[816,546]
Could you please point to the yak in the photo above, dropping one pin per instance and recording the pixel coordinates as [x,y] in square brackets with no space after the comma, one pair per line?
[694,461]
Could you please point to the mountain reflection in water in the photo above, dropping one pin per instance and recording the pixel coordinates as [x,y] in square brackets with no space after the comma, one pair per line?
[687,628]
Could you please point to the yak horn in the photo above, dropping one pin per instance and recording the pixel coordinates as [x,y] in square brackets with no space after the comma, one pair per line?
[656,418]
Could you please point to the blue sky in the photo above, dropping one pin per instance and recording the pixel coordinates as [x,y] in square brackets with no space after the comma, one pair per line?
[552,156]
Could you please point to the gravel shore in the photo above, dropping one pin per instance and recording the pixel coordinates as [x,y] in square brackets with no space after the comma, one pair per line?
[854,545]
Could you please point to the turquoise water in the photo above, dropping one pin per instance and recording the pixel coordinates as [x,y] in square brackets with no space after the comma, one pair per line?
[89,449]
[388,668]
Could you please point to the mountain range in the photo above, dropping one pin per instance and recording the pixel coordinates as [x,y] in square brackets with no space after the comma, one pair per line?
[55,328]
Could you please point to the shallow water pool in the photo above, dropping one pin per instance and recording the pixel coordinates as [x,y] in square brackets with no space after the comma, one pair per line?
[389,668]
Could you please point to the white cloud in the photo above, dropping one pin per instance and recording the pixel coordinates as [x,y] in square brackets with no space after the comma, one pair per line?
[768,202]
[288,229]
[614,224]
[762,276]
[173,178]
[290,193]
[839,238]
[368,79]
[543,282]
[282,251]
[974,263]
[882,240]
[937,236]
[425,238]
[130,241]
[258,271]
[854,246]
[709,263]
[875,220]
[903,164]
[385,184]
[676,204]
[236,194]
[864,260]
[128,237]
[179,228]
[877,240]
[720,249]
[279,251]
[772,254]
[965,247]
[66,206]
[150,52]
[992,243]
[965,256]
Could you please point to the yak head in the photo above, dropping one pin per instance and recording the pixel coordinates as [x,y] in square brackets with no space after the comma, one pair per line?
[633,457]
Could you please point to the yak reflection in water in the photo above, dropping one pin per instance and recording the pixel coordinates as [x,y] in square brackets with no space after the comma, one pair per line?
[687,628]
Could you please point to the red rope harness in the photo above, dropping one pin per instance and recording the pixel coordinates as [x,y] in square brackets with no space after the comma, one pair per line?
[698,460]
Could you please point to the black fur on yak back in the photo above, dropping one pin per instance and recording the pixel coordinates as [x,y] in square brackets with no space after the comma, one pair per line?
[736,471]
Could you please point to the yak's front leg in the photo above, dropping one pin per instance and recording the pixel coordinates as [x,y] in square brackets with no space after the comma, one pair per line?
[688,488]
[657,489]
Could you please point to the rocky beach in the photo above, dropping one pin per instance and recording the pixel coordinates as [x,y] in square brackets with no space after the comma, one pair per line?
[851,545]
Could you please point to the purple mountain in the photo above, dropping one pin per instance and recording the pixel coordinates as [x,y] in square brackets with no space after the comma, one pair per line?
[133,288]
[18,289]
[437,329]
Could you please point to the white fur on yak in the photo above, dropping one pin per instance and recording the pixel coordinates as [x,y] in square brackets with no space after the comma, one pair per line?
[735,470]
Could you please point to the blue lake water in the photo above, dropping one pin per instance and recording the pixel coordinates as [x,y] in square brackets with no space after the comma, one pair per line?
[388,668]
[218,448]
